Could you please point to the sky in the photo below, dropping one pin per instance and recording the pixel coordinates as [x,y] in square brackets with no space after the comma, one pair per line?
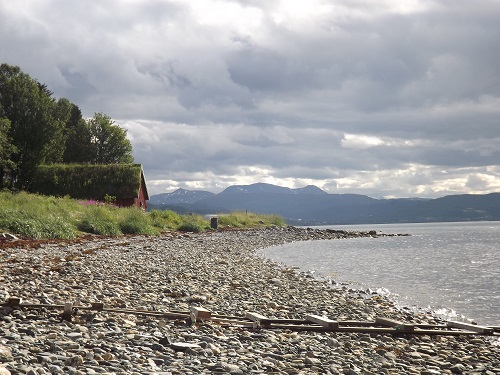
[377,97]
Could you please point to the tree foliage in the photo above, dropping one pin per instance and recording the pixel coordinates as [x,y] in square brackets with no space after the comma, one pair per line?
[37,129]
[6,150]
[109,143]
[77,148]
[33,129]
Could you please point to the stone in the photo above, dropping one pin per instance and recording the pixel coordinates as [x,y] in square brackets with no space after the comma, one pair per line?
[74,361]
[457,368]
[231,368]
[5,354]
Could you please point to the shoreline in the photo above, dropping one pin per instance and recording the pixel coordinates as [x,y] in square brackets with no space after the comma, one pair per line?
[220,271]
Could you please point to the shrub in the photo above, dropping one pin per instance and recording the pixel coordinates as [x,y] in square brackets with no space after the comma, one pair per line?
[99,220]
[240,219]
[135,221]
[190,226]
[165,220]
[193,223]
[276,220]
[35,216]
[36,227]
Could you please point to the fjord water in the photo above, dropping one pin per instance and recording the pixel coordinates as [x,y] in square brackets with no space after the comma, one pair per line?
[450,268]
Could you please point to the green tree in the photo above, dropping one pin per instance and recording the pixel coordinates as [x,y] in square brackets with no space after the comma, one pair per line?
[34,126]
[61,113]
[108,141]
[42,130]
[78,142]
[7,166]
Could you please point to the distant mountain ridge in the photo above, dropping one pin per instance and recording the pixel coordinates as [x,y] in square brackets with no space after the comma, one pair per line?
[180,196]
[312,206]
[261,187]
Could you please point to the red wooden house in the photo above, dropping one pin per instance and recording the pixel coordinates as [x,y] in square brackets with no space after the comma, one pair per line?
[138,198]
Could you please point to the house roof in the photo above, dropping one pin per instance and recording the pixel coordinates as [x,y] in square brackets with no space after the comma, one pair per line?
[89,181]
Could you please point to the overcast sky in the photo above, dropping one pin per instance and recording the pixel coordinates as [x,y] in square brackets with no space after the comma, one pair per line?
[378,97]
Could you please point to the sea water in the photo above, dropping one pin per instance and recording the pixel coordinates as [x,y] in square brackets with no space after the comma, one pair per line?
[450,268]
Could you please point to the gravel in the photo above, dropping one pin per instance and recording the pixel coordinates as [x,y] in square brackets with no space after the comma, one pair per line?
[220,271]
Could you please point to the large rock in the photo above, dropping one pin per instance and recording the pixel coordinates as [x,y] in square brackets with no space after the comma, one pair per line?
[5,354]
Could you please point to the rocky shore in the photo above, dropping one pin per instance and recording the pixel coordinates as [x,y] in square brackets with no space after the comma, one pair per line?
[222,272]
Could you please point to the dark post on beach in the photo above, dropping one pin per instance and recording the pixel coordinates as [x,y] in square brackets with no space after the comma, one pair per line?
[214,222]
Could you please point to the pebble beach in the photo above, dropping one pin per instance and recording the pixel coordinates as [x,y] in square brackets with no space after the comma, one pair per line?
[223,272]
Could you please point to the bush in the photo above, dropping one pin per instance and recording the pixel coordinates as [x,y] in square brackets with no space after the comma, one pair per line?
[135,221]
[33,226]
[275,220]
[99,220]
[36,216]
[165,220]
[193,223]
[240,219]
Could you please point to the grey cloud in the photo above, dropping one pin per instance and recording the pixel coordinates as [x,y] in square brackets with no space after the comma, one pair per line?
[208,103]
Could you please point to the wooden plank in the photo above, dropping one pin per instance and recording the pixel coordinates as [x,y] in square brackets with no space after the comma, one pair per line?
[288,321]
[471,327]
[400,326]
[162,314]
[255,316]
[258,318]
[362,323]
[200,313]
[387,322]
[14,301]
[183,346]
[325,322]
[97,306]
[371,330]
[68,310]
[237,322]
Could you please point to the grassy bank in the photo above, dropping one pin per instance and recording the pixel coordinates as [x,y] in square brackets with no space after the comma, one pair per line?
[41,217]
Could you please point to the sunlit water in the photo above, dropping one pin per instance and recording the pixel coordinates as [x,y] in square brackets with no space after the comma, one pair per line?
[451,268]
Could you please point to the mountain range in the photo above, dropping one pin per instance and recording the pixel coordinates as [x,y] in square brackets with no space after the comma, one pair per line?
[312,206]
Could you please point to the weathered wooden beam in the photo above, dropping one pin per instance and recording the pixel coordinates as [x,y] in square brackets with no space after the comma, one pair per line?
[238,322]
[325,322]
[288,321]
[183,346]
[471,327]
[372,330]
[97,306]
[14,301]
[199,313]
[261,320]
[162,314]
[400,326]
[363,323]
[68,311]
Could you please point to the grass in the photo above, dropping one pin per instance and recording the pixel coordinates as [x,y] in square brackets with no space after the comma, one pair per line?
[41,217]
[240,219]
